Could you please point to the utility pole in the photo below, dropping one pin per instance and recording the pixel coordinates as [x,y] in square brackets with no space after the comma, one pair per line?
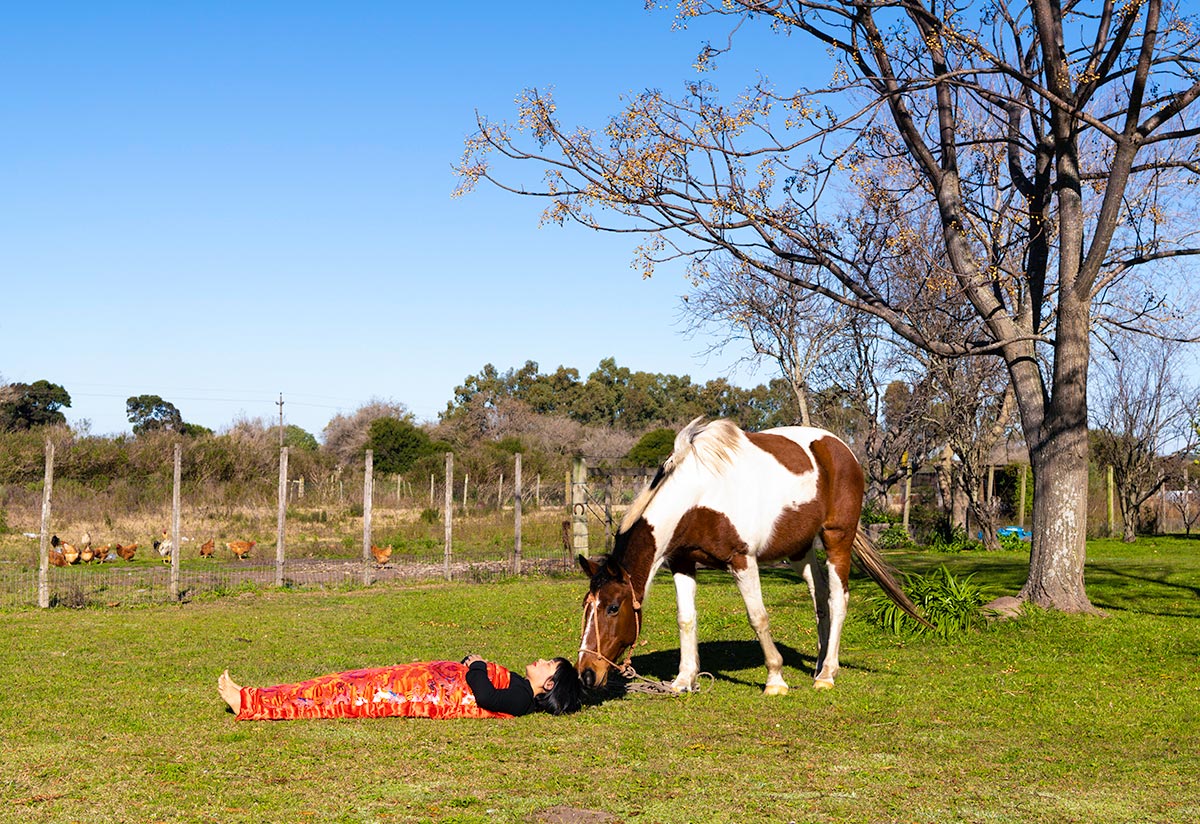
[279,403]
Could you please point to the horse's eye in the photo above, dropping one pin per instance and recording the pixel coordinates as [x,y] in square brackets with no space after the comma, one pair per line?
[613,608]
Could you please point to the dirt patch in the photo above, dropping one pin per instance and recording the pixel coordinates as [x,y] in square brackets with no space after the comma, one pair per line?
[573,815]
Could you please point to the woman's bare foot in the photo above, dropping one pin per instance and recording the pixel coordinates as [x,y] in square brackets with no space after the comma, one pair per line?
[231,692]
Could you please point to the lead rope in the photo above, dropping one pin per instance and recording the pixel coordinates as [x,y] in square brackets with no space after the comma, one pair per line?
[641,683]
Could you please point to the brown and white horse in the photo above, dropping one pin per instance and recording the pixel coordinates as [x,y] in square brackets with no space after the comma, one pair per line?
[732,500]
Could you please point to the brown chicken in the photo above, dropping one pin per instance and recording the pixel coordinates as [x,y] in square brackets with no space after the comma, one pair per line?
[240,548]
[57,558]
[105,553]
[86,554]
[126,552]
[70,554]
[381,553]
[206,549]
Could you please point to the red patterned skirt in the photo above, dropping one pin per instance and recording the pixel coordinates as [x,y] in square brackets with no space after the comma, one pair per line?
[427,689]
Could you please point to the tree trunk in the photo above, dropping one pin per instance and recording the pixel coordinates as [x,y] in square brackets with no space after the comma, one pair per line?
[1059,550]
[1129,519]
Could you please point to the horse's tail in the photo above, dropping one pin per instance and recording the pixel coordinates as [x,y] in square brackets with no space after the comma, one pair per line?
[881,573]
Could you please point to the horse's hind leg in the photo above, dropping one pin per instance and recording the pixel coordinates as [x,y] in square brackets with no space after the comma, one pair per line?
[815,575]
[837,572]
[748,584]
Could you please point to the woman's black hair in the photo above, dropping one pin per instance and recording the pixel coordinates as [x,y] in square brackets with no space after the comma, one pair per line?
[567,693]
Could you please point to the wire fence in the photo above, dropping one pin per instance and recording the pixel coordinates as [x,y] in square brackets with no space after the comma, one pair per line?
[533,529]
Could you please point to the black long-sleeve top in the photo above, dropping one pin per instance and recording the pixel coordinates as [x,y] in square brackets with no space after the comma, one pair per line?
[515,699]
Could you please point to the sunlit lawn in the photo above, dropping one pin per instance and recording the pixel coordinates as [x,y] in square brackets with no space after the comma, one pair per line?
[112,715]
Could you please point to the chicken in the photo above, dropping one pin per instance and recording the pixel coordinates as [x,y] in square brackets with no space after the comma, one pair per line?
[105,553]
[86,541]
[126,551]
[70,554]
[57,558]
[206,549]
[240,548]
[164,547]
[381,553]
[86,554]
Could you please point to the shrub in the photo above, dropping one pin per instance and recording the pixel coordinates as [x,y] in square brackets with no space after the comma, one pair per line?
[952,605]
[874,514]
[956,541]
[1013,542]
[894,537]
[429,515]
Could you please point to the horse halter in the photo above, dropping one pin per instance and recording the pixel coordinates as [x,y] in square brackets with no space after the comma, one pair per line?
[625,669]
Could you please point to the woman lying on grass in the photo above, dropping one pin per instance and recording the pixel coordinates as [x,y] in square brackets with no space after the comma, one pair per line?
[472,688]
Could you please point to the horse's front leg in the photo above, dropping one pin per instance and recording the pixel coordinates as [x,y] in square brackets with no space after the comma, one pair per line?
[689,653]
[748,585]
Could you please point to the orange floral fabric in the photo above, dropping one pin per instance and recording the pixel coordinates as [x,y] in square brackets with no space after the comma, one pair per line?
[427,689]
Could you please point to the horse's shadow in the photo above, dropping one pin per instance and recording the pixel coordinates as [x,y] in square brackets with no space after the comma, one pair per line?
[734,662]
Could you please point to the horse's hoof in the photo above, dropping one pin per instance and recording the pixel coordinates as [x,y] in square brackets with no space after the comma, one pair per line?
[682,686]
[822,685]
[776,689]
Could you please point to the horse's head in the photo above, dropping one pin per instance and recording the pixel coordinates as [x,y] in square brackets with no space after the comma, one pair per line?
[612,617]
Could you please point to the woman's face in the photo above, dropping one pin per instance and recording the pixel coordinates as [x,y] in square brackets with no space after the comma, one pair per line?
[539,672]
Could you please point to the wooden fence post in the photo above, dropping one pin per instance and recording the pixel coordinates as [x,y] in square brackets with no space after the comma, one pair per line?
[578,502]
[175,548]
[1021,515]
[44,547]
[368,500]
[449,512]
[282,523]
[1111,509]
[517,515]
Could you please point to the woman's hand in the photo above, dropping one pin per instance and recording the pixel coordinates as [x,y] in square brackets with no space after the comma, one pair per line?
[471,659]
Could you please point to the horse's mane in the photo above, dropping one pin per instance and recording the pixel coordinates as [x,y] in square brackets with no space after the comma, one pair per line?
[712,444]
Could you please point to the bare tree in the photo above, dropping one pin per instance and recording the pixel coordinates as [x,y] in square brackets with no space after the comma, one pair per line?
[1142,410]
[796,330]
[1046,142]
[1185,499]
[973,411]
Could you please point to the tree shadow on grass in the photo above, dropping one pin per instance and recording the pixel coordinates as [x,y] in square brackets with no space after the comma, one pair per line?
[1150,600]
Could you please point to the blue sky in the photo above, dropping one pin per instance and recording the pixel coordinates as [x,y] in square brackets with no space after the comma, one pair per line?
[218,203]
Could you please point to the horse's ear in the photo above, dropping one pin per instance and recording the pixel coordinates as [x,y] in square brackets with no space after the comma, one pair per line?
[590,567]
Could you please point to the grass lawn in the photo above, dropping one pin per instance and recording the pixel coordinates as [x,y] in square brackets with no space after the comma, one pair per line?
[113,715]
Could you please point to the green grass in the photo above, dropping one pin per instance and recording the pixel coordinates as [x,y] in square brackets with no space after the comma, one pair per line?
[112,715]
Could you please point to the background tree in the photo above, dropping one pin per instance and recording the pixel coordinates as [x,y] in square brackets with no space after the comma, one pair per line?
[1045,142]
[29,405]
[345,436]
[150,413]
[653,448]
[397,445]
[1142,410]
[796,330]
[972,414]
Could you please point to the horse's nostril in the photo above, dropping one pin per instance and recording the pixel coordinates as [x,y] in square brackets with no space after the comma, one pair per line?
[589,678]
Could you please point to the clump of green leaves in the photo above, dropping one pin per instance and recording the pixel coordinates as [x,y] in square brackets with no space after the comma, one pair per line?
[1013,542]
[895,537]
[952,605]
[956,541]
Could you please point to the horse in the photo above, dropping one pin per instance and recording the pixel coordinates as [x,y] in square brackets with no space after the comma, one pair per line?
[733,500]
